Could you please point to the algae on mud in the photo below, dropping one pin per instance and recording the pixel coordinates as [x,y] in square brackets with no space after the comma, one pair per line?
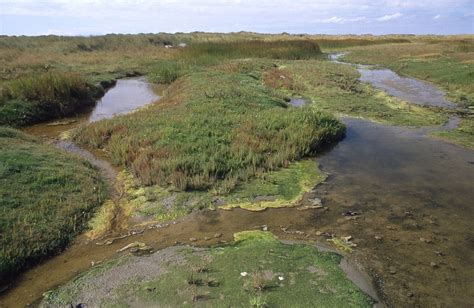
[150,204]
[256,267]
[46,195]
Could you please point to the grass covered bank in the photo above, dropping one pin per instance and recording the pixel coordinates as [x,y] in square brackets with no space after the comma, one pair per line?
[36,98]
[257,270]
[211,131]
[46,196]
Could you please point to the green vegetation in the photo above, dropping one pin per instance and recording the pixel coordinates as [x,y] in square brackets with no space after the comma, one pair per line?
[213,52]
[256,270]
[447,63]
[203,137]
[463,135]
[36,98]
[46,196]
[281,188]
[335,88]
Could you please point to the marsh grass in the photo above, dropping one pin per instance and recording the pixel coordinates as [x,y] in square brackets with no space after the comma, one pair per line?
[36,98]
[212,52]
[46,196]
[211,131]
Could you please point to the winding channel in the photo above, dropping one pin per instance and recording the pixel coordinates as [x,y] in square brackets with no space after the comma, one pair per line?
[405,198]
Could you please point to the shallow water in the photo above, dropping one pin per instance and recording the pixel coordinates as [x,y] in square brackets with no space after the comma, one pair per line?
[126,96]
[297,102]
[410,89]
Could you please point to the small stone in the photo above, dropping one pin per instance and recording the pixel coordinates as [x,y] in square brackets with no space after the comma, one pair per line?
[392,270]
[433,264]
[439,253]
[217,235]
[378,237]
[426,240]
[319,233]
[207,238]
[193,239]
[264,228]
[410,294]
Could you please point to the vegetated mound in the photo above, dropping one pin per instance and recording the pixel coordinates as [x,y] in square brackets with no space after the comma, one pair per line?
[257,270]
[212,130]
[40,97]
[46,196]
[279,49]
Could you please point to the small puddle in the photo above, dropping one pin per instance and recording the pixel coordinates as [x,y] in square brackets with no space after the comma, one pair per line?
[297,102]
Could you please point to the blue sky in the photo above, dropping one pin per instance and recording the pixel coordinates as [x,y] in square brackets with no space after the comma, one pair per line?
[93,17]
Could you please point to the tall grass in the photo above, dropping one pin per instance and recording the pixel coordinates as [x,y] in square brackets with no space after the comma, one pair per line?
[212,130]
[215,51]
[50,95]
[46,196]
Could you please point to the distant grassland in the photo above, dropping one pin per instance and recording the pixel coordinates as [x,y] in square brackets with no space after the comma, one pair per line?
[114,55]
[46,196]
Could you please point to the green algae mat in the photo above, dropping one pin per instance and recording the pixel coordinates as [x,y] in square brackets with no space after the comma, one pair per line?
[257,270]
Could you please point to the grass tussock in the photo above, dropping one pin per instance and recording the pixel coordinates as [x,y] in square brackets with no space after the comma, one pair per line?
[46,196]
[36,98]
[212,130]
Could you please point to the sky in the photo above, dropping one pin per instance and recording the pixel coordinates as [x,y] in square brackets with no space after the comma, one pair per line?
[96,17]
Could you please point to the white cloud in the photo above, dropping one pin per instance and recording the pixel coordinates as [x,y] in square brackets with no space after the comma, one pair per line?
[437,16]
[389,17]
[339,20]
